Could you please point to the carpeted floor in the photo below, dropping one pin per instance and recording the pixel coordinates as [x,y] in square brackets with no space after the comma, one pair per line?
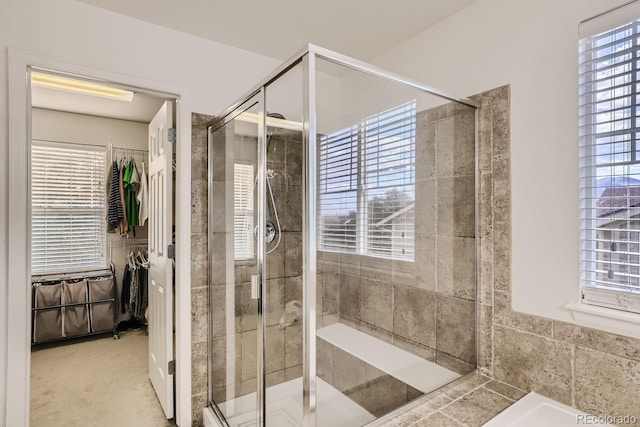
[95,383]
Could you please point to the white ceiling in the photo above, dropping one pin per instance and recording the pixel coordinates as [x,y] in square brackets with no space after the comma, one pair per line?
[279,28]
[363,29]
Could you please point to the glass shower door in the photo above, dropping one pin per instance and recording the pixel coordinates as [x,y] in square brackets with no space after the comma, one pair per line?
[236,236]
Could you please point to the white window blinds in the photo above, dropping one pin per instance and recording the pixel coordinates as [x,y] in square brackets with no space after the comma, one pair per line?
[68,222]
[367,186]
[610,168]
[243,211]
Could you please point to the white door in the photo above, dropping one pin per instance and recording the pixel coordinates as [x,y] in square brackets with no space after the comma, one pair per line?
[161,266]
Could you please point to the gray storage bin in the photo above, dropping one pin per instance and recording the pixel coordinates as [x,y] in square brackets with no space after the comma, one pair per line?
[47,323]
[102,313]
[76,317]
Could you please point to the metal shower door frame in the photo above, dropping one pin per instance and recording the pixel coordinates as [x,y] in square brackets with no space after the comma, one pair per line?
[307,57]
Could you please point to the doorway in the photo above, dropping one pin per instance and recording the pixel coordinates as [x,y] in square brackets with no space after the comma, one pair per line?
[97,270]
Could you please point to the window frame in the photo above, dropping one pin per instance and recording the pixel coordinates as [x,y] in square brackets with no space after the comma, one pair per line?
[249,170]
[360,133]
[101,262]
[613,295]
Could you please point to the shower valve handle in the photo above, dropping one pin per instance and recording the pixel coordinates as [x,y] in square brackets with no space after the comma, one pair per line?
[255,286]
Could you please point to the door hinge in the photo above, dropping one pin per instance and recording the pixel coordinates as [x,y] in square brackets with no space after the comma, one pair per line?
[171,251]
[171,133]
[172,367]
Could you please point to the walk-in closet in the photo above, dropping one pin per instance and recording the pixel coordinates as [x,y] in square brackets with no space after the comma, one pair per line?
[93,198]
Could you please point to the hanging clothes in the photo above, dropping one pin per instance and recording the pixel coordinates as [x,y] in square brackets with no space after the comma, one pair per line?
[135,292]
[143,198]
[138,297]
[131,181]
[114,212]
[123,226]
[126,289]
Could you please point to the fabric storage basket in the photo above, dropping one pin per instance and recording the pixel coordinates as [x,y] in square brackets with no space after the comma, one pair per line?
[76,317]
[102,313]
[47,323]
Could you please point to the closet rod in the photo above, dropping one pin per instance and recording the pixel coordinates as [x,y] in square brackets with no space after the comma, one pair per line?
[137,150]
[127,242]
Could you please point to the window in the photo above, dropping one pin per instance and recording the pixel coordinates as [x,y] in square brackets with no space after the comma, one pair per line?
[68,210]
[609,77]
[243,211]
[367,186]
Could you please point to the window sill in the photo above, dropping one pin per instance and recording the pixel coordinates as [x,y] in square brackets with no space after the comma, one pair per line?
[606,319]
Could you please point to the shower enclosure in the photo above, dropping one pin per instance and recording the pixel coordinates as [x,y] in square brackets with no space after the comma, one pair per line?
[342,246]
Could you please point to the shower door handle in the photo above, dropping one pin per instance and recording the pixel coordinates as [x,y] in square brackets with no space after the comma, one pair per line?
[255,286]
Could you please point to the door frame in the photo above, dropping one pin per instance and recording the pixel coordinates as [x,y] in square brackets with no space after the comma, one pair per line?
[18,344]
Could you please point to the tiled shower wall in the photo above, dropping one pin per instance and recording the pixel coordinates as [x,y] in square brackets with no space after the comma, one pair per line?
[199,265]
[594,371]
[428,306]
[284,268]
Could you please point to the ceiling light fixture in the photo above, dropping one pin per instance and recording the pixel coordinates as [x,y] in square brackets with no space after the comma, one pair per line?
[50,81]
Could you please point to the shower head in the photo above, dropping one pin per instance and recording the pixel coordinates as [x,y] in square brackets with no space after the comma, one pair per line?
[271,130]
[276,116]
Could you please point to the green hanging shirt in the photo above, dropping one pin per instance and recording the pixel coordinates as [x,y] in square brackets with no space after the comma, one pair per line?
[131,202]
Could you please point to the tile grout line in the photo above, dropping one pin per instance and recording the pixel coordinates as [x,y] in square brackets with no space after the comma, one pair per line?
[498,394]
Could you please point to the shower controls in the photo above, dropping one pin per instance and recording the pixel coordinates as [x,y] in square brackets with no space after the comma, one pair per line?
[269,232]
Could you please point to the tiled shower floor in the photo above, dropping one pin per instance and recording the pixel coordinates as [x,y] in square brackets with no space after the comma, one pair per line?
[284,407]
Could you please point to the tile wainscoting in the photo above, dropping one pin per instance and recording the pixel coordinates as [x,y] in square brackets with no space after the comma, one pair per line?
[591,370]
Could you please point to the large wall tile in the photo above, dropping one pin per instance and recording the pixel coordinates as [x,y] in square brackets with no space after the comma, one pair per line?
[485,143]
[502,257]
[425,220]
[616,345]
[456,206]
[456,266]
[503,314]
[293,254]
[350,295]
[199,261]
[376,303]
[425,270]
[455,327]
[330,293]
[199,363]
[607,384]
[445,147]
[501,126]
[531,362]
[425,146]
[464,134]
[293,345]
[249,348]
[199,314]
[485,337]
[414,315]
[275,349]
